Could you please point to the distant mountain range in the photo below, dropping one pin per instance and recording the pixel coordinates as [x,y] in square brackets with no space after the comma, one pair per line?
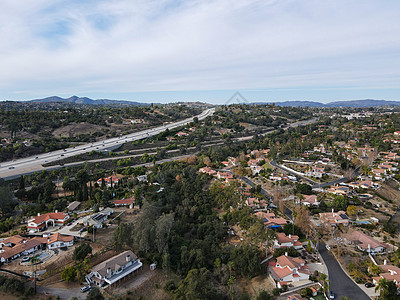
[349,103]
[87,101]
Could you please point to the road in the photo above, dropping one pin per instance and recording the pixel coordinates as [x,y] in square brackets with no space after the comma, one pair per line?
[13,169]
[339,282]
[314,184]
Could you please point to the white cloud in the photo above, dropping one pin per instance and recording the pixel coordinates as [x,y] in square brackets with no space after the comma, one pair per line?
[132,46]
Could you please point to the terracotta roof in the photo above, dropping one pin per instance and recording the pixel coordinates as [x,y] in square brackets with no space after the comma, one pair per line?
[291,262]
[283,238]
[130,200]
[16,239]
[281,272]
[48,216]
[60,238]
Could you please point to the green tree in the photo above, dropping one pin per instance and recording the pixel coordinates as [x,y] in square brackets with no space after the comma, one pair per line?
[69,274]
[387,290]
[95,294]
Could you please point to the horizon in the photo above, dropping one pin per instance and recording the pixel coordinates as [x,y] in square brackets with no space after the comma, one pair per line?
[233,98]
[171,51]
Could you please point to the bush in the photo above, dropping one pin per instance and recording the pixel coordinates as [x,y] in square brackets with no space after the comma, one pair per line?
[81,251]
[169,286]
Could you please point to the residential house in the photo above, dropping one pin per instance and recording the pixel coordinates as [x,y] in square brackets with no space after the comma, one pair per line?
[114,269]
[109,181]
[208,170]
[255,202]
[334,218]
[309,200]
[284,241]
[339,190]
[41,222]
[181,133]
[125,202]
[97,219]
[366,243]
[289,269]
[317,172]
[8,254]
[271,220]
[379,174]
[58,240]
[12,241]
[390,273]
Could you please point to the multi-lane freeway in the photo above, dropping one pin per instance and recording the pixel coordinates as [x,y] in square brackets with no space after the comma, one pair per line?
[12,169]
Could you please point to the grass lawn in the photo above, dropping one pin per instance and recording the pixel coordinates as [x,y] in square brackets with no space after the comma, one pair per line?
[319,297]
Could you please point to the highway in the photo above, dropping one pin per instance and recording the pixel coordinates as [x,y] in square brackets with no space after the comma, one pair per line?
[28,165]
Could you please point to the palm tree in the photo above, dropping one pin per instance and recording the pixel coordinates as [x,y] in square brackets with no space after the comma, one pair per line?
[387,289]
[34,261]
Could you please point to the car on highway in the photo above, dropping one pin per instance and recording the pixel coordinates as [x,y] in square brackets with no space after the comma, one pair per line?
[36,157]
[369,284]
[11,167]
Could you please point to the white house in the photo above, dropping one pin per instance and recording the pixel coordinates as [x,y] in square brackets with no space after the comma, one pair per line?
[284,241]
[289,269]
[114,269]
[41,222]
[59,241]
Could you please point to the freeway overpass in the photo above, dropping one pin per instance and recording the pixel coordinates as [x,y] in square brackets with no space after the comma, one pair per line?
[15,168]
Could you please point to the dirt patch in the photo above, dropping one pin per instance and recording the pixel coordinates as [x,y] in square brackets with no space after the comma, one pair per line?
[75,129]
[257,284]
[389,193]
[146,284]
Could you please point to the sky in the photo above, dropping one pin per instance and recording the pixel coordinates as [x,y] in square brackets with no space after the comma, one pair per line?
[203,50]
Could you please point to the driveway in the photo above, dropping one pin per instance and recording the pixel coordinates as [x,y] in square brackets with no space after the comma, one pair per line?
[66,294]
[339,282]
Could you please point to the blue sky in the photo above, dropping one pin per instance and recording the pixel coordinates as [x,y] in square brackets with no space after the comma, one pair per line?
[164,51]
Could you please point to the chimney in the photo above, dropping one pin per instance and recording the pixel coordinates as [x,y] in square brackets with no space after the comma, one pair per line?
[286,254]
[128,258]
[385,262]
[109,271]
[38,214]
[290,236]
[56,211]
[333,210]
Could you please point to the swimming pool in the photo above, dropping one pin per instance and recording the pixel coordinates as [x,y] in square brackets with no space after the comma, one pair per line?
[42,256]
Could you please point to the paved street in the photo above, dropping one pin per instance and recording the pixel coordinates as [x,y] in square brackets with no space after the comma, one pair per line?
[339,282]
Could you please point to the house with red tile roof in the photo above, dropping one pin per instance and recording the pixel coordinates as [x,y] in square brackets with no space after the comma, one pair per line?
[111,180]
[12,241]
[309,200]
[8,254]
[334,218]
[125,202]
[339,190]
[58,240]
[284,241]
[208,170]
[289,269]
[270,219]
[390,273]
[41,222]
